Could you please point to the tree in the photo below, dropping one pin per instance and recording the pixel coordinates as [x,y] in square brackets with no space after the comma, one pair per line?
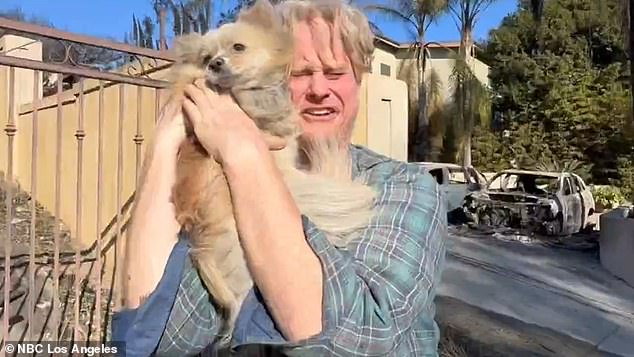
[192,16]
[469,107]
[537,7]
[569,102]
[416,16]
[232,14]
[465,14]
[626,8]
[142,33]
[186,16]
[160,9]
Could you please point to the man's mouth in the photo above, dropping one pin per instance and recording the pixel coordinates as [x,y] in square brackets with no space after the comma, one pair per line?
[326,113]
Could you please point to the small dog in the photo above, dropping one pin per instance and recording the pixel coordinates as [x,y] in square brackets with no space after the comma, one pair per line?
[251,59]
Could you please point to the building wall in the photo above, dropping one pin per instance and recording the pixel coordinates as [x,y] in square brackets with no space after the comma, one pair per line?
[444,67]
[384,63]
[442,62]
[382,121]
[22,87]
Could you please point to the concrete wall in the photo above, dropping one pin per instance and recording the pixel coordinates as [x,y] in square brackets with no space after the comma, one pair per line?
[382,122]
[387,116]
[443,68]
[22,89]
[617,243]
[385,63]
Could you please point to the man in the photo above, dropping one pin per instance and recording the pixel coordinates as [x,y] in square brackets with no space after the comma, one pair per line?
[311,299]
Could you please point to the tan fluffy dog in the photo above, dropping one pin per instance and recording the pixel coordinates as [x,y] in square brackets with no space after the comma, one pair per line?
[251,59]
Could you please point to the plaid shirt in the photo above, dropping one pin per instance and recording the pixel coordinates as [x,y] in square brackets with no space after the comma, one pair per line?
[378,293]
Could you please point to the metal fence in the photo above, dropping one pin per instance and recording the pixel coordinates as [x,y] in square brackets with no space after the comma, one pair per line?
[71,166]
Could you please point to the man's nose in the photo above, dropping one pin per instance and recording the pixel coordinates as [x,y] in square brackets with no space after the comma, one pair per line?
[318,89]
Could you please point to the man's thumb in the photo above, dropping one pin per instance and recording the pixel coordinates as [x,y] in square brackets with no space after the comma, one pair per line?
[275,142]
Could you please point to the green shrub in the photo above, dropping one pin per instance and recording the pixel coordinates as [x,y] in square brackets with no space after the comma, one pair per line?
[608,196]
[626,172]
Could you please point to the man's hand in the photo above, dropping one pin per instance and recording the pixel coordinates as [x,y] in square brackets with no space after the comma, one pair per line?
[221,126]
[170,126]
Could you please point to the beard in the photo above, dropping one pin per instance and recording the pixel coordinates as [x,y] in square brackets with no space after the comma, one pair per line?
[327,155]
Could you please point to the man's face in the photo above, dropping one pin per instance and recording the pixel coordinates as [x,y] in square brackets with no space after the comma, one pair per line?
[323,85]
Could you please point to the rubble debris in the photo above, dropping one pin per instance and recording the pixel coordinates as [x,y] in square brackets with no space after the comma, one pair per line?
[42,324]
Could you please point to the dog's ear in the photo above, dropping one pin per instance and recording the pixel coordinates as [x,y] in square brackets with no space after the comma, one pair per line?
[188,48]
[261,13]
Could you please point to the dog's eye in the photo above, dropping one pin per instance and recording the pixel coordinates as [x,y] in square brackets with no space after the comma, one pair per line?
[207,59]
[238,47]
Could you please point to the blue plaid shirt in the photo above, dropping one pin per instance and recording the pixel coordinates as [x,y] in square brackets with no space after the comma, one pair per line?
[378,292]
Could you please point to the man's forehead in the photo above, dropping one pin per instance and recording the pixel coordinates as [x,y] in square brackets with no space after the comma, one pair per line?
[319,45]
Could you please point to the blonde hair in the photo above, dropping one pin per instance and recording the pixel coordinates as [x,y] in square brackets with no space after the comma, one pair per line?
[356,36]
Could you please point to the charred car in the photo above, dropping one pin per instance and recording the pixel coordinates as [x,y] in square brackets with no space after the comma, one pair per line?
[551,203]
[455,182]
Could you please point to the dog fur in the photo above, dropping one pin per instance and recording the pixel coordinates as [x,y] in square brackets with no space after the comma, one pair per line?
[252,58]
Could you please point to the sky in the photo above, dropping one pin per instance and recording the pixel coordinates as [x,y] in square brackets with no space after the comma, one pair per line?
[112,19]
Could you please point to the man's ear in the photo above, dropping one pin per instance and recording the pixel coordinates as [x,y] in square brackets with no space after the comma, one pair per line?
[261,13]
[188,48]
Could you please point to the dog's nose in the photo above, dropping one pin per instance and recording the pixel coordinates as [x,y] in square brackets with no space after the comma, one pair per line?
[216,64]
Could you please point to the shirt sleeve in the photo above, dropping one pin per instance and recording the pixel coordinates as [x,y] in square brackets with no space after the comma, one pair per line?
[193,322]
[377,289]
[140,329]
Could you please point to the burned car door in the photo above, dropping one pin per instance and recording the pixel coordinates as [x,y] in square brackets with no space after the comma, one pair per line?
[479,181]
[573,212]
[587,200]
[458,184]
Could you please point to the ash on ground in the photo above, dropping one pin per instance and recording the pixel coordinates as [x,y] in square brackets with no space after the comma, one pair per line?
[586,241]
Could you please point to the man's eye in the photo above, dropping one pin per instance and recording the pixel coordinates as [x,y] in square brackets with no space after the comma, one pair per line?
[334,75]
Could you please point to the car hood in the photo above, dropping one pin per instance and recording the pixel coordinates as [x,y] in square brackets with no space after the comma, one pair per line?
[511,197]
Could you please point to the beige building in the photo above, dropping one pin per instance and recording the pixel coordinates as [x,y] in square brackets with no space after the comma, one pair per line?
[397,61]
[392,59]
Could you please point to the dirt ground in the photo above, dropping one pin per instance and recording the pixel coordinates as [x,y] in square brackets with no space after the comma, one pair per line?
[470,331]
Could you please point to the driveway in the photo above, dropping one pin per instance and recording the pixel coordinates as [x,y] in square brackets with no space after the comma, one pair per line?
[560,289]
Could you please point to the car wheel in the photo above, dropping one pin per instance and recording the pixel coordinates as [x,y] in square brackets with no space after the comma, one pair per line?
[554,227]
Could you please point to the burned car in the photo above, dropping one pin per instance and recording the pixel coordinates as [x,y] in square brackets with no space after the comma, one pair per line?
[551,203]
[455,181]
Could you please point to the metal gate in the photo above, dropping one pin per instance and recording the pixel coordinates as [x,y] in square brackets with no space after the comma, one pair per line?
[70,158]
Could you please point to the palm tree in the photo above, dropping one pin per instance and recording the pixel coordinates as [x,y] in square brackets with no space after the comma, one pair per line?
[537,9]
[470,100]
[417,16]
[465,14]
[187,16]
[160,8]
